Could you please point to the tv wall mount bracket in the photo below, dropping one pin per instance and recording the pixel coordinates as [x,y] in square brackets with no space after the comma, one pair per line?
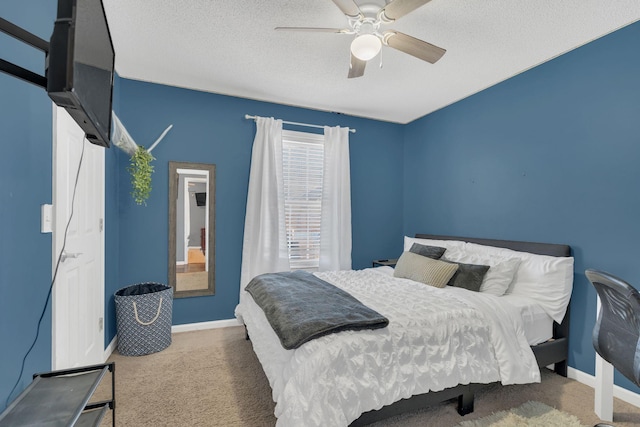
[30,39]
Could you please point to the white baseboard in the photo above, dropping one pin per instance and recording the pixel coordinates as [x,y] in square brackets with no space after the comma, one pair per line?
[590,380]
[110,348]
[205,325]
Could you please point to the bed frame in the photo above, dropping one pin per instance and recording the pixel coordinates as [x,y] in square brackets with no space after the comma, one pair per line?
[554,351]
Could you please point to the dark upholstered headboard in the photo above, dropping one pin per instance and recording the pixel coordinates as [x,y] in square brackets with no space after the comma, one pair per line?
[534,248]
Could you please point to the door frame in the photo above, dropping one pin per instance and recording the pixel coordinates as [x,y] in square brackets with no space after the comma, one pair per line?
[58,306]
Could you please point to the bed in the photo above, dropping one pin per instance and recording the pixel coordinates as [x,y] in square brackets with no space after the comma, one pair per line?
[358,377]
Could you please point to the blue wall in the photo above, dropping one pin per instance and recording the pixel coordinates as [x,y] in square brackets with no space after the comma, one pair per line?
[25,184]
[211,128]
[550,155]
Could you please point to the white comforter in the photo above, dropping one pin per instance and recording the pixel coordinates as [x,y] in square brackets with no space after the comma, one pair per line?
[436,339]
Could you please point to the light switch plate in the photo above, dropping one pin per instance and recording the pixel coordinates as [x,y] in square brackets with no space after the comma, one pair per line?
[46,218]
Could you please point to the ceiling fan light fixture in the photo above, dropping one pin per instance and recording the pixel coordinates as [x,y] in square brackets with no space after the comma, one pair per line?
[366,46]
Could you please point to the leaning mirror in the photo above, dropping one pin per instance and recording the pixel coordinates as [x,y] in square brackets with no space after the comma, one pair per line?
[192,228]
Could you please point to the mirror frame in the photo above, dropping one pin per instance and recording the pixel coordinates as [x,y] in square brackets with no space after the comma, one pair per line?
[211,200]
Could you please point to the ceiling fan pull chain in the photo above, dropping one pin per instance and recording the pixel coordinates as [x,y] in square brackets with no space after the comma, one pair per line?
[381,58]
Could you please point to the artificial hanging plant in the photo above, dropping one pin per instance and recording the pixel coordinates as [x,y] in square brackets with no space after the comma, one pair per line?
[141,169]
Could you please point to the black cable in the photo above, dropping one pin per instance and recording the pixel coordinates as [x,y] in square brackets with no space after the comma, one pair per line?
[53,280]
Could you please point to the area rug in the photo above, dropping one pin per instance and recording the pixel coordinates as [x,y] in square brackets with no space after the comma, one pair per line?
[529,414]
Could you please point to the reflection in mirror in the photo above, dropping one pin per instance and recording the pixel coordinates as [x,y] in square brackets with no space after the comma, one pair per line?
[191,229]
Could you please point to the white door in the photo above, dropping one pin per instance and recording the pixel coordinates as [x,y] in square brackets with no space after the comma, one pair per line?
[78,292]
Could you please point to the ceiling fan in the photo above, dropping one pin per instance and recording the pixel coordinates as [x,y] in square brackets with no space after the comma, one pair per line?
[365,22]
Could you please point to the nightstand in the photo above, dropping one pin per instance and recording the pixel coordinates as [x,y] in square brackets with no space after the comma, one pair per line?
[384,262]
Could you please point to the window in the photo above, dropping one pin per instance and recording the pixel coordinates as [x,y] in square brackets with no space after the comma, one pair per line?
[302,167]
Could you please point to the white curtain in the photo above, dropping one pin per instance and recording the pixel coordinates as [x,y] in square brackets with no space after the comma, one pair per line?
[265,243]
[335,229]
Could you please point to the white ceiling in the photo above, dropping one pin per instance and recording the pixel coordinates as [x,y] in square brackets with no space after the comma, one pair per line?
[230,47]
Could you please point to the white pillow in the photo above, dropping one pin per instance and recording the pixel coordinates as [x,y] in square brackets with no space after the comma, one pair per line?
[546,279]
[501,273]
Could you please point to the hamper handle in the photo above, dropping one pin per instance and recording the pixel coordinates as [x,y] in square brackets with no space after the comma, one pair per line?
[135,311]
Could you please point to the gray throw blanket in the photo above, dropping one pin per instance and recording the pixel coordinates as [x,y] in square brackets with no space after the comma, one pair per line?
[301,307]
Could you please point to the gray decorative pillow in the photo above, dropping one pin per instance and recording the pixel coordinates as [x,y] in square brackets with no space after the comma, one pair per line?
[424,269]
[434,252]
[468,276]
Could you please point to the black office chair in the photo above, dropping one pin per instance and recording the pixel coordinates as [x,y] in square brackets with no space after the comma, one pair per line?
[616,333]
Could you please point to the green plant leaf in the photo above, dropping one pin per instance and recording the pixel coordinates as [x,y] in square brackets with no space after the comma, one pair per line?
[141,170]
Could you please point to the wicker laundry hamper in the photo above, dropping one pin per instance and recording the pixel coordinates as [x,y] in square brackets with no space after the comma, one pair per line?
[143,317]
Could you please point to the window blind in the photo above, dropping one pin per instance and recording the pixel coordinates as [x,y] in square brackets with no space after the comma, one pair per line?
[302,166]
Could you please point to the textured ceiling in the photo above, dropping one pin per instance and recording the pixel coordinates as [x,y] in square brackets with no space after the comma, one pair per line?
[230,47]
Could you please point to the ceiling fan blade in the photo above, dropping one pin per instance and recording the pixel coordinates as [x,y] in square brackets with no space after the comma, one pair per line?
[398,8]
[356,67]
[413,46]
[348,7]
[315,30]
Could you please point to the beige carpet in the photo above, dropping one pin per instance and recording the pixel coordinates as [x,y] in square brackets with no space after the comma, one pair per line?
[212,378]
[191,281]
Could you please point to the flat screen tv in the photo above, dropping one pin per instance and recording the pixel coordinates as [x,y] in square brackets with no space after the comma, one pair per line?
[79,67]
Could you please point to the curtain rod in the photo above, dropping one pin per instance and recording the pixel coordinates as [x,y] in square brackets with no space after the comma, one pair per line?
[247,116]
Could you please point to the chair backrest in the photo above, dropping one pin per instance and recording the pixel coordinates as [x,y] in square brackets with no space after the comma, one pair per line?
[616,334]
